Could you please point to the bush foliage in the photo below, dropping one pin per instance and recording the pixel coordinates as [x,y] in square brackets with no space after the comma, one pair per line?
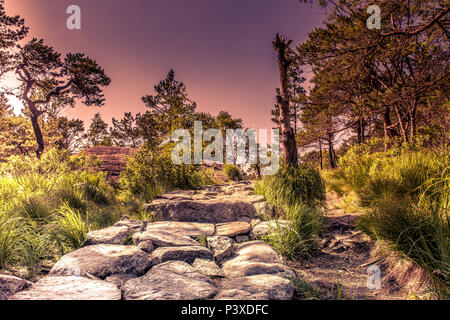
[405,193]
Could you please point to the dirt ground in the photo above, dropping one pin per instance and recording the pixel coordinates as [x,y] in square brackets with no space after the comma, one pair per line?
[339,269]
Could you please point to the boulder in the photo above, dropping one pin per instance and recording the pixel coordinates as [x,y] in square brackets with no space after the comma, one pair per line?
[103,260]
[174,280]
[232,229]
[119,279]
[258,287]
[110,235]
[222,247]
[69,288]
[164,239]
[242,239]
[10,285]
[188,229]
[254,258]
[217,210]
[186,254]
[132,225]
[146,246]
[266,227]
[208,268]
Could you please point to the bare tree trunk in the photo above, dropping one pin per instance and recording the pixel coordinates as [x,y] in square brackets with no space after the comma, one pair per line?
[37,129]
[401,124]
[288,143]
[412,120]
[321,154]
[332,154]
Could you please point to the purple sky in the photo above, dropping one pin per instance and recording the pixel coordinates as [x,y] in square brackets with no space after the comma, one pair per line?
[220,49]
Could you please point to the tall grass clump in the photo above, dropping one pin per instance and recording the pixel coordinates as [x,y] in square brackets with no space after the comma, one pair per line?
[70,228]
[232,172]
[292,186]
[48,205]
[298,195]
[297,237]
[418,226]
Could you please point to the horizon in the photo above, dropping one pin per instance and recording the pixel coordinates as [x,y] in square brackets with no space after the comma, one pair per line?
[240,53]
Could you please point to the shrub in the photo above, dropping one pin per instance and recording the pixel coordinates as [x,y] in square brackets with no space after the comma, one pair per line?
[419,227]
[298,238]
[30,191]
[232,172]
[405,193]
[298,194]
[293,186]
[151,172]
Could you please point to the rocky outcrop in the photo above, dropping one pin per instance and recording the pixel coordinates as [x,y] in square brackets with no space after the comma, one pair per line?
[208,268]
[259,287]
[208,257]
[232,229]
[264,228]
[113,160]
[69,288]
[111,235]
[218,204]
[188,229]
[170,281]
[103,260]
[186,254]
[254,258]
[10,285]
[164,239]
[221,246]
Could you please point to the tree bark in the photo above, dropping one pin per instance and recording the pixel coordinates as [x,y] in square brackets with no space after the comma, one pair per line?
[288,143]
[321,154]
[37,130]
[332,154]
[401,124]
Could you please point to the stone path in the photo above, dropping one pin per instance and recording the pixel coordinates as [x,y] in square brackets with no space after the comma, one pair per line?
[204,247]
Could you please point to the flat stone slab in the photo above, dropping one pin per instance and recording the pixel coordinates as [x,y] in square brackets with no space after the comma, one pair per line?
[211,211]
[110,235]
[164,239]
[232,229]
[103,260]
[221,246]
[258,287]
[9,285]
[174,280]
[208,268]
[188,229]
[254,258]
[186,254]
[69,288]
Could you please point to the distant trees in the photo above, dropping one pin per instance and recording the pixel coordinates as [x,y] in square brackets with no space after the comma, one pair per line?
[389,83]
[97,133]
[12,30]
[169,108]
[125,132]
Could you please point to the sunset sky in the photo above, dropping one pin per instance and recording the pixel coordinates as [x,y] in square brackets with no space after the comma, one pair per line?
[220,49]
